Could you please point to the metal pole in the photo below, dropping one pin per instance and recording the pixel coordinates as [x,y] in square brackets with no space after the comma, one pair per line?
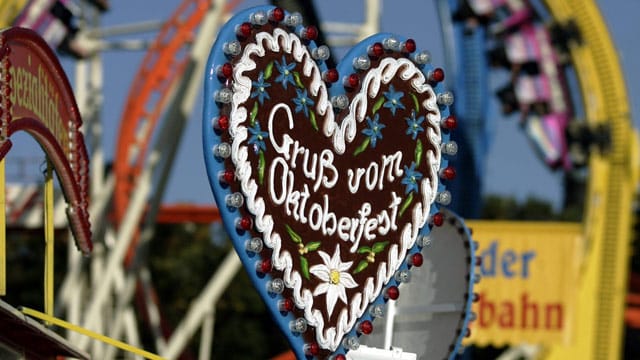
[49,239]
[206,336]
[3,232]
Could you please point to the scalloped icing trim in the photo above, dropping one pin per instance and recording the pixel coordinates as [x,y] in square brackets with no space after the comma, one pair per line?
[330,337]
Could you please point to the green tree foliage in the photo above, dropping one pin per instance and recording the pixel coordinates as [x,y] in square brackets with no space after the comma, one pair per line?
[497,207]
[182,260]
[25,266]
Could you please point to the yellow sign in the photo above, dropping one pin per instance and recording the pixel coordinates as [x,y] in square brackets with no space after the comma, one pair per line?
[529,282]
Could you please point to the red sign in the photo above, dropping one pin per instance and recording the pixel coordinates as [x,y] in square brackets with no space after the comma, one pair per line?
[35,96]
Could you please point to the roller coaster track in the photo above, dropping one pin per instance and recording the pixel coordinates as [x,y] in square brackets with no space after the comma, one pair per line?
[150,91]
[607,221]
[612,183]
[166,87]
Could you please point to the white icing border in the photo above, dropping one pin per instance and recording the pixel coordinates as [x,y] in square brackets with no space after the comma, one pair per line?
[388,68]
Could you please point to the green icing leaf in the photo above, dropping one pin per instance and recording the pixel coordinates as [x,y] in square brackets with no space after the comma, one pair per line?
[418,153]
[361,266]
[379,247]
[362,147]
[261,166]
[312,246]
[268,70]
[295,237]
[377,105]
[304,267]
[296,75]
[254,113]
[312,118]
[405,204]
[364,250]
[415,102]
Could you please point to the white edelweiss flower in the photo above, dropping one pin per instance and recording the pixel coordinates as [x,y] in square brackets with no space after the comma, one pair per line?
[335,276]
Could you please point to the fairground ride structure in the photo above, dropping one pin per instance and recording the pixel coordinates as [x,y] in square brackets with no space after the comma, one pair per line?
[161,100]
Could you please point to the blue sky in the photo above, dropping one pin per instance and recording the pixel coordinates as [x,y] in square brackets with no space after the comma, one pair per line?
[510,151]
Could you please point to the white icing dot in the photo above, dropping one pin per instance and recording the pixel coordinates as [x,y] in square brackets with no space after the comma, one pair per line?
[293,19]
[275,286]
[321,53]
[445,98]
[340,102]
[361,63]
[234,200]
[450,148]
[444,197]
[403,276]
[351,343]
[391,43]
[232,48]
[222,150]
[423,57]
[298,325]
[258,18]
[223,96]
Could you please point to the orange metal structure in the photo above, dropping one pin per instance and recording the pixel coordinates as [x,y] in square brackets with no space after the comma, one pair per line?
[151,89]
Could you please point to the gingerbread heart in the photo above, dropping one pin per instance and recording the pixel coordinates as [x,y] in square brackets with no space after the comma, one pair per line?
[326,179]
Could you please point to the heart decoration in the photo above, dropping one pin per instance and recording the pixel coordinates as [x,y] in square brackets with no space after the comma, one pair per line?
[327,180]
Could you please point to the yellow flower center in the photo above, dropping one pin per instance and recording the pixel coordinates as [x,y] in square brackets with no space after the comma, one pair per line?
[334,277]
[371,257]
[301,249]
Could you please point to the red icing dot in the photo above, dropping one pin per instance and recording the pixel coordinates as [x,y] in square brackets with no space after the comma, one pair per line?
[365,327]
[392,293]
[448,173]
[438,219]
[285,305]
[264,266]
[417,259]
[226,70]
[339,357]
[478,261]
[223,122]
[410,45]
[467,332]
[376,50]
[311,349]
[245,223]
[310,33]
[277,14]
[244,29]
[450,122]
[330,75]
[352,81]
[436,75]
[228,176]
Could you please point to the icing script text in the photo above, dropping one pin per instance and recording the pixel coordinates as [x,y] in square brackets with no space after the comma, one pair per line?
[320,169]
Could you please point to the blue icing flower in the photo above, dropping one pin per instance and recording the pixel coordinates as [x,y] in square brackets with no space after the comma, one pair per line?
[257,137]
[374,129]
[414,125]
[286,76]
[260,87]
[393,99]
[411,178]
[302,102]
